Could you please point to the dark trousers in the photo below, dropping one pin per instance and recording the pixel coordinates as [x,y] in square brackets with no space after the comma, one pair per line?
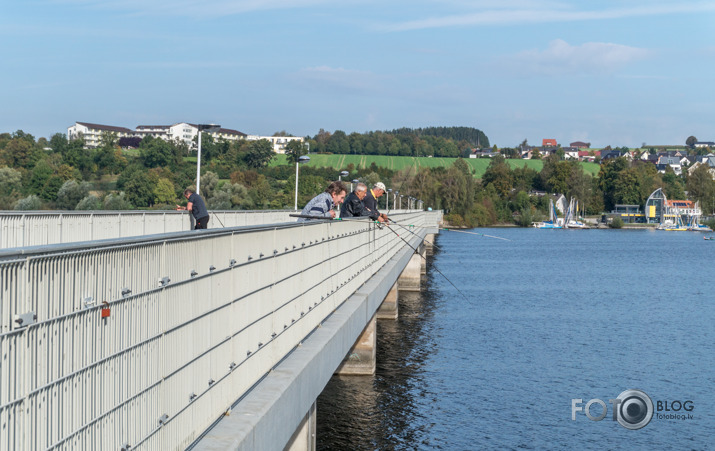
[202,223]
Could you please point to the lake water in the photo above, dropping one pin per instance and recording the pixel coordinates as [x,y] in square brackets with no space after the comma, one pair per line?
[550,316]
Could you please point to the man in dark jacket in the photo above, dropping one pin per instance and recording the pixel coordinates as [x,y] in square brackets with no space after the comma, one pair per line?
[370,200]
[197,207]
[353,206]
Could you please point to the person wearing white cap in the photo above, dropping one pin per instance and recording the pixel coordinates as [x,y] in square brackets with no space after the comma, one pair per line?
[370,201]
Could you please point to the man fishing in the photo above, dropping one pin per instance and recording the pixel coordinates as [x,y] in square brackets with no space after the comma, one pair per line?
[322,205]
[370,200]
[353,206]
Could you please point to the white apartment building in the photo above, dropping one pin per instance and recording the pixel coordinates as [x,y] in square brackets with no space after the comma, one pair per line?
[182,131]
[278,142]
[92,133]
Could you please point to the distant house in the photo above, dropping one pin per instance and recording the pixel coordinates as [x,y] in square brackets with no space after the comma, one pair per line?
[570,153]
[674,162]
[704,144]
[482,153]
[585,155]
[708,161]
[549,142]
[609,154]
[580,145]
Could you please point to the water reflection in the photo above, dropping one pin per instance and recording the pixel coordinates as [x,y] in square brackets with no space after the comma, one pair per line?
[381,411]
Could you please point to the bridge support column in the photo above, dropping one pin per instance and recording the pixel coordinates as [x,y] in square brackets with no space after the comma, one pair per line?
[410,278]
[361,360]
[303,438]
[429,241]
[388,309]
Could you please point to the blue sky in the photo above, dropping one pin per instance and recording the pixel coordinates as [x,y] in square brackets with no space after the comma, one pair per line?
[610,72]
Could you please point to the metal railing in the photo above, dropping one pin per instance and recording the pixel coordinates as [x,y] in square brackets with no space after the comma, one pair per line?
[38,228]
[142,343]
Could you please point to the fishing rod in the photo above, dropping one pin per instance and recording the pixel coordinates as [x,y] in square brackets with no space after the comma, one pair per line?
[216,216]
[407,229]
[461,231]
[425,258]
[393,231]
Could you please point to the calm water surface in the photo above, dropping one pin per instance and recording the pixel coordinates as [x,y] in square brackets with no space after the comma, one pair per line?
[550,316]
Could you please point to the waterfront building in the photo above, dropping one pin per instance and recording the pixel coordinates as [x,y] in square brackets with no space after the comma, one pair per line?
[660,210]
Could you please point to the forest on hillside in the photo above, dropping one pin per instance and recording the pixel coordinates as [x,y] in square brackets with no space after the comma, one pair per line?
[420,142]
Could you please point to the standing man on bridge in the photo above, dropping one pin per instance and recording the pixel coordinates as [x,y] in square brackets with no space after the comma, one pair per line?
[370,200]
[322,205]
[197,207]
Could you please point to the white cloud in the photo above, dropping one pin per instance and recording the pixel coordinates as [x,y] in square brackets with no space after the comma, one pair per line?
[516,13]
[563,58]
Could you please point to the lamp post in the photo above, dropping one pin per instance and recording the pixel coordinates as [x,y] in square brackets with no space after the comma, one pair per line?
[342,174]
[355,181]
[209,128]
[401,196]
[301,159]
[394,203]
[387,199]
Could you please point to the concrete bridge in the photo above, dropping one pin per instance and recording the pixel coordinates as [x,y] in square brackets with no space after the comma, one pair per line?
[218,339]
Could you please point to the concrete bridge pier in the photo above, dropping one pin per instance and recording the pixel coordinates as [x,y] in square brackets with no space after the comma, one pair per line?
[362,358]
[428,243]
[411,277]
[303,438]
[389,307]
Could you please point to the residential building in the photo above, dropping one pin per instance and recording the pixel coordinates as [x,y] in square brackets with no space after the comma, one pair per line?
[182,131]
[548,143]
[92,133]
[278,142]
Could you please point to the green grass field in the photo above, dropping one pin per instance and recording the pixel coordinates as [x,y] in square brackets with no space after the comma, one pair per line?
[479,165]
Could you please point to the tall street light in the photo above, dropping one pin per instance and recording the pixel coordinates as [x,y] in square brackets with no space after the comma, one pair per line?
[356,181]
[210,128]
[301,159]
[342,174]
[387,199]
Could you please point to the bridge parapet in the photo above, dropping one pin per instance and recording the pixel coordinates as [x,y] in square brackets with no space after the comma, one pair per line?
[144,342]
[36,228]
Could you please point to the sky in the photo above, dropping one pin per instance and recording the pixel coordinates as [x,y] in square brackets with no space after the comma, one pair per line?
[618,73]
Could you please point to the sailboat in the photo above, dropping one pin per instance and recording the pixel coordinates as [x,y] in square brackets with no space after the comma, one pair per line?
[673,226]
[695,226]
[571,219]
[553,223]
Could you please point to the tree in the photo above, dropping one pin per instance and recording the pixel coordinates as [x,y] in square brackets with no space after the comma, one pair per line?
[31,202]
[690,142]
[499,174]
[701,187]
[71,193]
[164,191]
[140,189]
[295,149]
[90,202]
[259,154]
[156,152]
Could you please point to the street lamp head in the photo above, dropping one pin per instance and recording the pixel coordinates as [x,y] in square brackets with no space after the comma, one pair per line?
[210,128]
[344,173]
[303,159]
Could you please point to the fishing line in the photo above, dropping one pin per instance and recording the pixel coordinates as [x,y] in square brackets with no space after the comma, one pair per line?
[433,267]
[216,216]
[407,229]
[461,231]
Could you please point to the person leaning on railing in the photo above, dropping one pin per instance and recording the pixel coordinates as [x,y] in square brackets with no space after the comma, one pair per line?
[370,200]
[197,207]
[353,207]
[322,205]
